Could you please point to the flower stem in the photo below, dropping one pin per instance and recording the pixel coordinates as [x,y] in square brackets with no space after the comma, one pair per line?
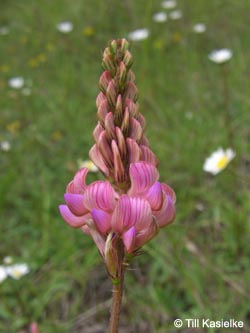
[116,305]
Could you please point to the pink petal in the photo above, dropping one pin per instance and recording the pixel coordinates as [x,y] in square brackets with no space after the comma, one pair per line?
[120,142]
[154,196]
[167,213]
[97,237]
[130,212]
[100,195]
[97,159]
[102,220]
[100,98]
[104,81]
[128,238]
[143,175]
[105,150]
[97,131]
[73,220]
[103,109]
[75,203]
[146,234]
[135,130]
[141,120]
[109,125]
[80,180]
[148,155]
[132,107]
[133,151]
[169,191]
[119,171]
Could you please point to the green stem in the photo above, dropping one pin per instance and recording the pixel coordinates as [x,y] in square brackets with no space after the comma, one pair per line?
[116,305]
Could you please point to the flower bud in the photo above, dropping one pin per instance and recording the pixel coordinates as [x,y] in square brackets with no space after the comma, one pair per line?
[127,59]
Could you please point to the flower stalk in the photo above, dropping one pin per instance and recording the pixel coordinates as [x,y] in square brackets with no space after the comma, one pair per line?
[128,208]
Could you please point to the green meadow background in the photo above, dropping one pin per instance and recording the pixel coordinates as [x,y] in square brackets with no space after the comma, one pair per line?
[196,268]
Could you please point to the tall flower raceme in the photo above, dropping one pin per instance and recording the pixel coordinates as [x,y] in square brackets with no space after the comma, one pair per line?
[126,210]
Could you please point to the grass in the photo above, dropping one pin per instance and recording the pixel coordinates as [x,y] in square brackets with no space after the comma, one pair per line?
[198,267]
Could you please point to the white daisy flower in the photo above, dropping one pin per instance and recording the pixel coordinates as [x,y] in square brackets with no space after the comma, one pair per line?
[175,14]
[199,28]
[87,164]
[17,271]
[139,34]
[160,17]
[4,31]
[169,4]
[16,82]
[3,274]
[65,27]
[5,146]
[218,161]
[220,56]
[8,260]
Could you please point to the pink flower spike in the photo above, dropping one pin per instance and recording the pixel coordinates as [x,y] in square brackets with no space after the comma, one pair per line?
[75,203]
[154,196]
[34,327]
[128,238]
[73,220]
[143,175]
[102,220]
[99,195]
[167,213]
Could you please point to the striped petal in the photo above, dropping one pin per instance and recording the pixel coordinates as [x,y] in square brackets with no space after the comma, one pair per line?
[166,214]
[133,150]
[73,220]
[102,220]
[130,212]
[97,158]
[169,191]
[148,155]
[75,203]
[128,238]
[79,180]
[143,175]
[154,196]
[100,195]
[146,234]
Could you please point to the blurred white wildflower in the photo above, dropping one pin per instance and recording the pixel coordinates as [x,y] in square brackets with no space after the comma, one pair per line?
[139,34]
[5,145]
[87,164]
[17,271]
[175,15]
[3,274]
[220,56]
[218,161]
[169,4]
[16,82]
[8,260]
[160,17]
[4,31]
[199,28]
[65,27]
